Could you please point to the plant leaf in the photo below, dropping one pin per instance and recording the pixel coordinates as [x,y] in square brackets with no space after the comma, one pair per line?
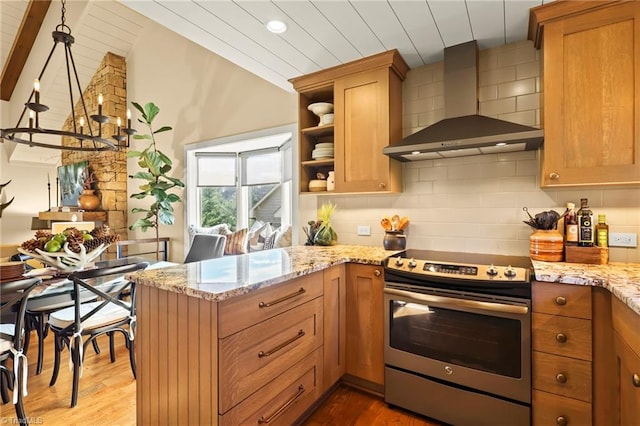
[143,175]
[162,129]
[151,111]
[139,108]
[132,154]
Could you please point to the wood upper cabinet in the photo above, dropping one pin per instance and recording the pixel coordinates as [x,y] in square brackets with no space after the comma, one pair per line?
[335,304]
[367,98]
[591,111]
[364,128]
[627,343]
[365,324]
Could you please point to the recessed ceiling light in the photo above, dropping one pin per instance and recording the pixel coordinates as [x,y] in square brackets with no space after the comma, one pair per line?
[415,152]
[501,144]
[276,26]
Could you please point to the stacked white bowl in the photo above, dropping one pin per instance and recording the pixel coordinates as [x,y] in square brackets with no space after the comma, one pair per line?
[322,151]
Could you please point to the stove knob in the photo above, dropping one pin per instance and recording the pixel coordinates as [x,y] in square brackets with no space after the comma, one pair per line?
[492,271]
[412,263]
[399,261]
[509,272]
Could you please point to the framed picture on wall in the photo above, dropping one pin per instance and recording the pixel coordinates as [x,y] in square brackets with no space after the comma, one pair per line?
[70,182]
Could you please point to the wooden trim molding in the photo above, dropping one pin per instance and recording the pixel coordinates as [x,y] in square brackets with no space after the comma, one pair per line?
[29,28]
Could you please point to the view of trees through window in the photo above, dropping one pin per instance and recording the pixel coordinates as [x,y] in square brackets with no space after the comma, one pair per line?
[218,205]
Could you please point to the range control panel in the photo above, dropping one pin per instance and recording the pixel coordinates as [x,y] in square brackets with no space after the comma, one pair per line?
[458,270]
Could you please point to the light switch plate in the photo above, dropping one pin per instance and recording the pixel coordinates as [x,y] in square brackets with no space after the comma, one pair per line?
[364,230]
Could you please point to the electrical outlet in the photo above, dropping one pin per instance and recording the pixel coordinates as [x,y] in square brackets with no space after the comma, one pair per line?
[619,239]
[364,230]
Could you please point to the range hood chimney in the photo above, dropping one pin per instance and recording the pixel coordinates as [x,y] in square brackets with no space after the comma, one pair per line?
[464,132]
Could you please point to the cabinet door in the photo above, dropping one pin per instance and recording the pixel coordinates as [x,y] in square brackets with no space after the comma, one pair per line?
[592,98]
[629,382]
[365,322]
[362,131]
[335,302]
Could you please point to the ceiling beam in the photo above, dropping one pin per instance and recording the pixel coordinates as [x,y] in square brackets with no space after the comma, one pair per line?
[29,28]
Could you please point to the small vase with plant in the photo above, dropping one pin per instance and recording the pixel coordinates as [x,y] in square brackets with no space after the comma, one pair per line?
[157,183]
[88,200]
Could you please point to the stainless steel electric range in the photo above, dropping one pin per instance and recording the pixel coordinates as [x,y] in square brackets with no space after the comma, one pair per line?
[457,341]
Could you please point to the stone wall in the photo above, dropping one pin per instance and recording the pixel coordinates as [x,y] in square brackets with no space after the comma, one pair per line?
[109,167]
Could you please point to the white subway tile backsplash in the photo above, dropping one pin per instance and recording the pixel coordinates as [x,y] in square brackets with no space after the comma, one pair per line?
[496,76]
[485,170]
[517,88]
[527,167]
[622,197]
[499,106]
[432,173]
[526,118]
[528,70]
[431,89]
[526,102]
[516,56]
[488,93]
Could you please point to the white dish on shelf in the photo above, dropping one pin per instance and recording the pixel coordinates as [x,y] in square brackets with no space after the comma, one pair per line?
[328,145]
[320,108]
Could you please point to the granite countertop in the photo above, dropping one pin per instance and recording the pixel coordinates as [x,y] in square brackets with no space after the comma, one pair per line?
[229,276]
[621,279]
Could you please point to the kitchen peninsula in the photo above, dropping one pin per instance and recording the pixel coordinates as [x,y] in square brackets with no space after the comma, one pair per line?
[257,336]
[262,336]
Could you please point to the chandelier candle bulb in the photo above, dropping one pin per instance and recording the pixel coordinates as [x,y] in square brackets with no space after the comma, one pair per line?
[31,114]
[100,99]
[81,124]
[36,89]
[119,125]
[128,118]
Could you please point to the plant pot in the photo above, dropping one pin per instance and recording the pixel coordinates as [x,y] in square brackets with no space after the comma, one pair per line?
[88,200]
[546,245]
[394,240]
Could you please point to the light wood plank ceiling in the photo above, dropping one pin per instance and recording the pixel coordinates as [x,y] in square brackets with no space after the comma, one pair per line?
[325,33]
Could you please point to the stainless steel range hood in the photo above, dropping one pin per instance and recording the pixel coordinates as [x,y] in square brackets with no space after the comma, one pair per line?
[463,132]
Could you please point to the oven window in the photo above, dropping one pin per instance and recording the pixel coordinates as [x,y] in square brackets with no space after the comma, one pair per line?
[482,342]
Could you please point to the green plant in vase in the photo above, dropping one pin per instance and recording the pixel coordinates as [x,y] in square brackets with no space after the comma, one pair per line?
[325,235]
[157,183]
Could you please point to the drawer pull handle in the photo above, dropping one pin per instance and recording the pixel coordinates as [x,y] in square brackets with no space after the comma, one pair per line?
[282,299]
[377,273]
[554,176]
[562,421]
[560,300]
[561,338]
[635,379]
[561,378]
[286,405]
[270,352]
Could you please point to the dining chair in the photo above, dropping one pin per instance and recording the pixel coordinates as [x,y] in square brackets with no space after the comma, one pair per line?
[37,317]
[206,246]
[77,326]
[13,298]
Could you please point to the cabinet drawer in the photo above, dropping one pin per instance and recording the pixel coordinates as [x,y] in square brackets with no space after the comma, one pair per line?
[562,375]
[238,313]
[283,400]
[564,336]
[252,357]
[549,409]
[562,299]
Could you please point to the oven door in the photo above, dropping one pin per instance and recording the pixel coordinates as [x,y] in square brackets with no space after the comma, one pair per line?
[479,342]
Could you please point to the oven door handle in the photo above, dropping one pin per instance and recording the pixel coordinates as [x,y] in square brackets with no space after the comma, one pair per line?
[460,303]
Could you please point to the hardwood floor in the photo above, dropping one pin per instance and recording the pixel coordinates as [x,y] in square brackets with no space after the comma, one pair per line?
[108,396]
[349,406]
[107,393]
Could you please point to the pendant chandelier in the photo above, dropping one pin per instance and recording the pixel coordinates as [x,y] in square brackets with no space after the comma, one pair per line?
[89,139]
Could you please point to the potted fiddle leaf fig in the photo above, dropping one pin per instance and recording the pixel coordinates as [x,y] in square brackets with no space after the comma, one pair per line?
[157,182]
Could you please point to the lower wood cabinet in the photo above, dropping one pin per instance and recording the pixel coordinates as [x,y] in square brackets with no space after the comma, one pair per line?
[562,358]
[335,316]
[365,325]
[627,345]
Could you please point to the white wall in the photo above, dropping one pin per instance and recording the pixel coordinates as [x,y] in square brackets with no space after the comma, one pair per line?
[202,96]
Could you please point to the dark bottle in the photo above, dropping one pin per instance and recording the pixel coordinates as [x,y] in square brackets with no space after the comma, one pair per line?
[602,231]
[585,224]
[571,225]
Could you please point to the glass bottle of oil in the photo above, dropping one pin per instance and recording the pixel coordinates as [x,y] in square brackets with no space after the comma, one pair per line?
[585,224]
[602,231]
[571,225]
